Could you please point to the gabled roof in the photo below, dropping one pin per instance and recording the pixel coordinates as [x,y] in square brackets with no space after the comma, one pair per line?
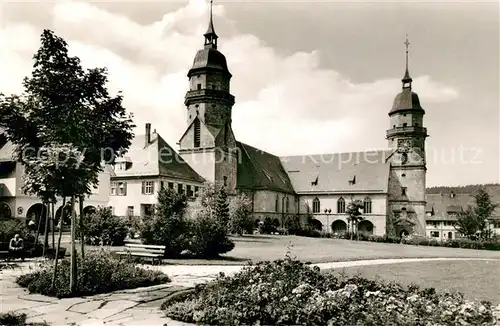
[446,205]
[259,170]
[339,172]
[158,158]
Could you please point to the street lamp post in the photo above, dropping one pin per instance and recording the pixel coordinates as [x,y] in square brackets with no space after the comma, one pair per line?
[327,212]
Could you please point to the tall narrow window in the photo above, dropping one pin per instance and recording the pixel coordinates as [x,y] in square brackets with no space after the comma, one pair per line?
[197,133]
[287,204]
[225,181]
[226,134]
[367,207]
[198,87]
[276,204]
[403,191]
[316,205]
[180,189]
[341,205]
[147,187]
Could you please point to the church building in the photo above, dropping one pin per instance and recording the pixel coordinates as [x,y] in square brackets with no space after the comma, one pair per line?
[391,183]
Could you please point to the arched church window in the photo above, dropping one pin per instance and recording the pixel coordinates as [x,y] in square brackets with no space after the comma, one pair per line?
[367,205]
[341,205]
[316,205]
[196,132]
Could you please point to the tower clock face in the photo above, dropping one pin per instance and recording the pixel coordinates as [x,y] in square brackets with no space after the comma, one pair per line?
[404,145]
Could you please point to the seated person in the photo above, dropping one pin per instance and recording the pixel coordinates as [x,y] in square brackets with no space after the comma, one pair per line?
[16,247]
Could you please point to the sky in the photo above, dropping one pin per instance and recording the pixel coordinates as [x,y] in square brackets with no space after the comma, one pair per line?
[309,77]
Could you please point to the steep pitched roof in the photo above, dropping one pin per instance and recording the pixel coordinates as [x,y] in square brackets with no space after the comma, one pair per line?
[158,158]
[260,170]
[339,172]
[445,205]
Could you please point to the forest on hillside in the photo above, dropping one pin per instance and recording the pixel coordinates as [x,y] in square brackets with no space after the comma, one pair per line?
[468,189]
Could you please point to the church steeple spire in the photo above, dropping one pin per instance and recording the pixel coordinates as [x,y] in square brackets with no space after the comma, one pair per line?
[407,79]
[210,36]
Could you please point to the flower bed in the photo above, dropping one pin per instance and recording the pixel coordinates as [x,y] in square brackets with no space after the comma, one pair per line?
[16,319]
[99,272]
[288,292]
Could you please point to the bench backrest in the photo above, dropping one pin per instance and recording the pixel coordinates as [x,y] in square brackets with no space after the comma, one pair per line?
[145,248]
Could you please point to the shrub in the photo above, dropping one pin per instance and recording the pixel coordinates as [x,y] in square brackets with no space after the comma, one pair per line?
[102,227]
[293,224]
[99,272]
[208,236]
[240,220]
[288,292]
[16,319]
[168,226]
[268,226]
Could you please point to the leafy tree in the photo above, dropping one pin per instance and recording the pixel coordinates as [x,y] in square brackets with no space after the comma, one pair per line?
[293,224]
[240,218]
[208,238]
[473,222]
[467,223]
[104,228]
[484,209]
[208,230]
[168,225]
[65,106]
[354,212]
[222,207]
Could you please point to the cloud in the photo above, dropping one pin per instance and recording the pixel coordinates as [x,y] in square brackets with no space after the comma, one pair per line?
[290,99]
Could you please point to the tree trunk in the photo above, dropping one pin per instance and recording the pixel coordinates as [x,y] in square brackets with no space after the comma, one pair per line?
[53,217]
[58,245]
[46,231]
[82,227]
[73,271]
[38,228]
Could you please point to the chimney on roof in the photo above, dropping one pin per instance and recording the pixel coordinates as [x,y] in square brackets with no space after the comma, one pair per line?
[148,134]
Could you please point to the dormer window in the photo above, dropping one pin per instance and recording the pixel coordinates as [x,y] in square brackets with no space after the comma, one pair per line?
[352,180]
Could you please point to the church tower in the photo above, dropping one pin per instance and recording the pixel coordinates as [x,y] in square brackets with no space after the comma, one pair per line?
[208,144]
[406,137]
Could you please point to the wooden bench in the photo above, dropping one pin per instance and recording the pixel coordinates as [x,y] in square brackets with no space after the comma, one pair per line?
[155,253]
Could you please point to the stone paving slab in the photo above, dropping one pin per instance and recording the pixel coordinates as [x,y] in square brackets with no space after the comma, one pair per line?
[111,308]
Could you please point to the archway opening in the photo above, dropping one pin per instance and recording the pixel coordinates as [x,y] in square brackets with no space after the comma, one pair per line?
[316,224]
[404,233]
[36,216]
[339,226]
[365,227]
[66,220]
[89,210]
[5,211]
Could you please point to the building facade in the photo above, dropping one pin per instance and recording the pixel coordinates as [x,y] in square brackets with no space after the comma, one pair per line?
[391,183]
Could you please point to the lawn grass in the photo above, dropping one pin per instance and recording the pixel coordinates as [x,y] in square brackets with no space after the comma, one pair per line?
[477,280]
[318,250]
